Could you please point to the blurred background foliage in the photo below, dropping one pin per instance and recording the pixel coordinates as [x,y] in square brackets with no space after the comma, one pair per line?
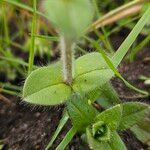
[15,30]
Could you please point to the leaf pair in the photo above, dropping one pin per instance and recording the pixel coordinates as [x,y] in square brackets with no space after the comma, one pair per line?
[45,86]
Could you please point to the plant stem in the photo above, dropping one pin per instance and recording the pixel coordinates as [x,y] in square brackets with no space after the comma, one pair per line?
[33,31]
[67,46]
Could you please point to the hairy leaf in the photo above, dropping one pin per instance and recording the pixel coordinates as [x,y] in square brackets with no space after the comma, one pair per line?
[142,131]
[115,142]
[111,117]
[45,85]
[133,112]
[108,96]
[80,111]
[92,76]
[95,144]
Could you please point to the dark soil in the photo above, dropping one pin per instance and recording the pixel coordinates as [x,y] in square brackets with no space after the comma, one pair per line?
[24,127]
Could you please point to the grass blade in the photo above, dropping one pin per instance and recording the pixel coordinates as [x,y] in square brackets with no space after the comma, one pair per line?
[52,38]
[116,72]
[67,139]
[33,31]
[123,49]
[62,122]
[23,6]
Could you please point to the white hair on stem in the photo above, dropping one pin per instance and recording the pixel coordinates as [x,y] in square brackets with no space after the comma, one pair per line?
[67,56]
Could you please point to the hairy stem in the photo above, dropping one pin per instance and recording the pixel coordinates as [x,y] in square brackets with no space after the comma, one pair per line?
[67,46]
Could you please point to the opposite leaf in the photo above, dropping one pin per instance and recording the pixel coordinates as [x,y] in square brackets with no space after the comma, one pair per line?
[45,86]
[132,113]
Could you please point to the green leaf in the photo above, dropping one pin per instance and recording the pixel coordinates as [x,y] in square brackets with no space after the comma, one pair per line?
[142,131]
[23,6]
[108,96]
[133,112]
[62,122]
[67,139]
[101,131]
[111,117]
[123,49]
[45,85]
[91,76]
[80,111]
[116,142]
[95,144]
[1,145]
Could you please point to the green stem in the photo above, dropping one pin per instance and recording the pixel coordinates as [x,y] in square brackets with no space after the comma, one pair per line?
[67,46]
[33,32]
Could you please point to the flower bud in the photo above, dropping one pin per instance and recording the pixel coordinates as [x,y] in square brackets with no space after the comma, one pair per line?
[71,17]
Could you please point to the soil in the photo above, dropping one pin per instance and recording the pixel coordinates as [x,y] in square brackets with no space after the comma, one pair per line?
[24,127]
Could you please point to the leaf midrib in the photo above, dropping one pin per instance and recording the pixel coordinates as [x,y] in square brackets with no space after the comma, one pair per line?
[73,80]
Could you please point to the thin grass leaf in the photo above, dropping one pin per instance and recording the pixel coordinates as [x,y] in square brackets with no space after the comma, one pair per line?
[33,32]
[67,139]
[5,21]
[123,49]
[10,86]
[17,61]
[10,92]
[23,6]
[62,122]
[51,38]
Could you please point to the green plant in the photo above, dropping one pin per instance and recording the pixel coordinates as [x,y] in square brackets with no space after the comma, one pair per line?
[80,85]
[101,127]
